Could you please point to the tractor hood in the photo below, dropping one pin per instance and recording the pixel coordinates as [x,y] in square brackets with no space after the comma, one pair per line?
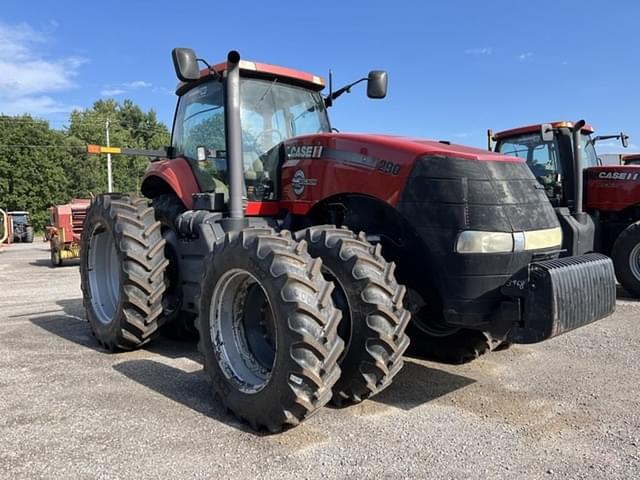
[612,188]
[385,145]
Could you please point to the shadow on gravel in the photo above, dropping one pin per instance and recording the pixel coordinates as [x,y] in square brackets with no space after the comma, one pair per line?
[191,389]
[71,325]
[622,294]
[417,384]
[45,262]
[414,385]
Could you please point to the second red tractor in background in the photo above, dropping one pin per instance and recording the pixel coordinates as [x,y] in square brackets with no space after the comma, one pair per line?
[562,156]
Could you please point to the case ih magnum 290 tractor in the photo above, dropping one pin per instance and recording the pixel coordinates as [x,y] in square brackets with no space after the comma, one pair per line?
[288,243]
[611,224]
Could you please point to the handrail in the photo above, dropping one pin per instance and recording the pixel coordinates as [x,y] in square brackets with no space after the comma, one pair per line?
[5,223]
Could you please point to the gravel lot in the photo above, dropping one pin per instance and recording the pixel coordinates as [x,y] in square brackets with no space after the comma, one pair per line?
[567,408]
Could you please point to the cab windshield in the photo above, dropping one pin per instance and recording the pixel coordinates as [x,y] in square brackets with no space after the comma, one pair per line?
[543,157]
[270,112]
[19,219]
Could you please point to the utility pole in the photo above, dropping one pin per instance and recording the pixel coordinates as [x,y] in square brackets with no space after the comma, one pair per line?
[109,179]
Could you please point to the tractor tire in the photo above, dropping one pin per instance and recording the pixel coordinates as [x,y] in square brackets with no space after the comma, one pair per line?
[122,267]
[457,348]
[56,258]
[28,236]
[373,315]
[178,325]
[626,258]
[268,329]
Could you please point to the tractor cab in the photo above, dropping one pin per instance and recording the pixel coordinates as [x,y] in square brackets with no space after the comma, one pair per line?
[548,151]
[275,104]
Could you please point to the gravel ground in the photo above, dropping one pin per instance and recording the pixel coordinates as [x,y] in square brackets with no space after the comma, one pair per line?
[567,408]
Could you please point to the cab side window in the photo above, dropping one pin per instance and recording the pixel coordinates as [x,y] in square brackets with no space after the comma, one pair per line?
[199,122]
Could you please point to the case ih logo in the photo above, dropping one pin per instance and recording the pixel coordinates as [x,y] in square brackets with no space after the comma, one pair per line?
[299,182]
[304,151]
[619,175]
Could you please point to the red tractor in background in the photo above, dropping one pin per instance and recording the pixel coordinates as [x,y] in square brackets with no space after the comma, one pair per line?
[610,208]
[302,254]
[65,230]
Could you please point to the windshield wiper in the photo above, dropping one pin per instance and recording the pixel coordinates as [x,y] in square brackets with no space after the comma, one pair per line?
[266,92]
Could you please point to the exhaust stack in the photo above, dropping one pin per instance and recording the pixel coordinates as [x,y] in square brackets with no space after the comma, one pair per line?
[577,166]
[233,130]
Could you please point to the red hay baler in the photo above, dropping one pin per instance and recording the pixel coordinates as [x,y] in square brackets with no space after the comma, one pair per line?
[64,232]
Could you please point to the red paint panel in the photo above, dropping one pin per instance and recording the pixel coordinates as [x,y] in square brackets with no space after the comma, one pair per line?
[262,209]
[612,188]
[177,173]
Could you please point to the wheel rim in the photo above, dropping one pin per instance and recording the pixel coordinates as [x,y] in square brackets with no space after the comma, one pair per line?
[634,261]
[243,330]
[104,274]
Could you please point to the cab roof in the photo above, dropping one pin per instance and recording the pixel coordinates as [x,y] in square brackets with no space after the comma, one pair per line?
[536,128]
[265,70]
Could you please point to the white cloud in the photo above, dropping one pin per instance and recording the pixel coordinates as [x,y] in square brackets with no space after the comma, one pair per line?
[479,51]
[524,55]
[137,84]
[40,105]
[113,92]
[27,77]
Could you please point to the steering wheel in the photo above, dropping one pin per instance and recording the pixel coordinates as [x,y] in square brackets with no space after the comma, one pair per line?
[258,140]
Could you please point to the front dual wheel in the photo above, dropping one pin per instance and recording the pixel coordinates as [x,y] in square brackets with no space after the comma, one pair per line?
[268,329]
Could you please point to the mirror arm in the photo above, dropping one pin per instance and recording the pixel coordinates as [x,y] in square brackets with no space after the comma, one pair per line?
[609,137]
[212,72]
[347,88]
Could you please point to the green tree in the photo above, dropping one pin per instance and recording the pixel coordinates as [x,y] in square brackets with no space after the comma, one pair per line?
[41,167]
[32,166]
[129,126]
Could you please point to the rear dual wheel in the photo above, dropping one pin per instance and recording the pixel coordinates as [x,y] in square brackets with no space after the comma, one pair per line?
[268,329]
[373,316]
[122,266]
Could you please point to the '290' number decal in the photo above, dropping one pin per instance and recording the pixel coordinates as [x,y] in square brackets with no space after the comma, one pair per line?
[389,168]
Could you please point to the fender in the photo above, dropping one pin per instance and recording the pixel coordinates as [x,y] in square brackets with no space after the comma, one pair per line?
[176,174]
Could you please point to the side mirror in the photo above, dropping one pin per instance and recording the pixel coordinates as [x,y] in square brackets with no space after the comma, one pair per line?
[624,138]
[185,63]
[201,154]
[546,130]
[377,84]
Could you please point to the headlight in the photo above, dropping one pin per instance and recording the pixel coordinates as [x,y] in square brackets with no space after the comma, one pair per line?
[473,241]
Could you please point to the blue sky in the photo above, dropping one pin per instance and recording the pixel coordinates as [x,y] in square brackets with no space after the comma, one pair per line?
[455,68]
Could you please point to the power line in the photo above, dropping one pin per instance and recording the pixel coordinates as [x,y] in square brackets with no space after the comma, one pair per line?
[77,147]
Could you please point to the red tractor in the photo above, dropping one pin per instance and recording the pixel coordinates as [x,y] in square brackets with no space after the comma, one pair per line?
[289,244]
[610,209]
[66,227]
